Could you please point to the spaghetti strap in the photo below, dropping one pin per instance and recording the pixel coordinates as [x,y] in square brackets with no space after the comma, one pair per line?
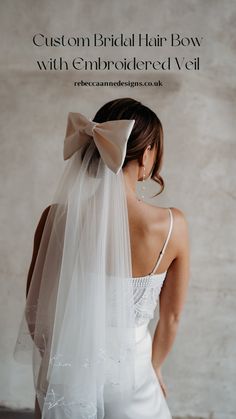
[165,244]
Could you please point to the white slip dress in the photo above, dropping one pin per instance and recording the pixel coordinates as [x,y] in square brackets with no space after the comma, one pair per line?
[147,401]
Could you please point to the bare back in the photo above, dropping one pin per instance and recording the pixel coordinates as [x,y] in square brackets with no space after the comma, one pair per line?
[149,226]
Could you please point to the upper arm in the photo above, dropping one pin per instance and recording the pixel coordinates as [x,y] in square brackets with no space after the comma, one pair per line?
[37,239]
[174,289]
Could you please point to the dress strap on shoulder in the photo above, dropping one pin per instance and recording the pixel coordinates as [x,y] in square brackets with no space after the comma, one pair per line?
[169,232]
[165,243]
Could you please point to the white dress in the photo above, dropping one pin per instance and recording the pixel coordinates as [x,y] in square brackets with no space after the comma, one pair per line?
[147,401]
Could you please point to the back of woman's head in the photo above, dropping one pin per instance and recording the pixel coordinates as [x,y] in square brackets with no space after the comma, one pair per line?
[147,130]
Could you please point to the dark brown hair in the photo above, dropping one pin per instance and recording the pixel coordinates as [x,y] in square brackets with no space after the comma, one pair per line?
[146,130]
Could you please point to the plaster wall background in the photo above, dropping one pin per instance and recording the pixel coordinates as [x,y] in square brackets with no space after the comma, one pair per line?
[197,110]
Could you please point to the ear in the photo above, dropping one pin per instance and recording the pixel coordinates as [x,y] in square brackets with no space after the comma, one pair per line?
[146,154]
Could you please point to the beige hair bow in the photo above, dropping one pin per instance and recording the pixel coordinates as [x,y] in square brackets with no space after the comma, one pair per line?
[110,138]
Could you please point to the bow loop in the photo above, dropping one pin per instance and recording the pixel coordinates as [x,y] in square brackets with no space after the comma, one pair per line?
[110,137]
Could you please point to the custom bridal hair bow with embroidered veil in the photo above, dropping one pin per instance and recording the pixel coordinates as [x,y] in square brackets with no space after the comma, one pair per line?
[78,327]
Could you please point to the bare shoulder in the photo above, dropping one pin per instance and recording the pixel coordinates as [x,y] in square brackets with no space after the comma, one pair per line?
[179,217]
[180,228]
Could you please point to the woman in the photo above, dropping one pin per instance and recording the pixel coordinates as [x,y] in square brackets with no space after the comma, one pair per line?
[151,250]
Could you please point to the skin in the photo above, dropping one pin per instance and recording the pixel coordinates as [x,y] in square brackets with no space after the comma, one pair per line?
[149,225]
[148,230]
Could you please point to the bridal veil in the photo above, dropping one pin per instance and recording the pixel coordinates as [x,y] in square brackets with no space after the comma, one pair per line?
[78,320]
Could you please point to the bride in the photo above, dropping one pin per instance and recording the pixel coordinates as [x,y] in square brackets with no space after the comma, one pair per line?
[102,260]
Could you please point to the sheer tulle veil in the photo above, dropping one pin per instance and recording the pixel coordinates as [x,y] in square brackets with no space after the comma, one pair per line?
[77,327]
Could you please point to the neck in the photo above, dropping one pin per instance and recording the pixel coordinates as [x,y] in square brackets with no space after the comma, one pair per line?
[130,173]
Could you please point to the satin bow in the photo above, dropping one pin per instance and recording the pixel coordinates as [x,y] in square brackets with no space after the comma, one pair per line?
[110,138]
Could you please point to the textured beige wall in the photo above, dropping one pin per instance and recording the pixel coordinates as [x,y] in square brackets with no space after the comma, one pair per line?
[197,111]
